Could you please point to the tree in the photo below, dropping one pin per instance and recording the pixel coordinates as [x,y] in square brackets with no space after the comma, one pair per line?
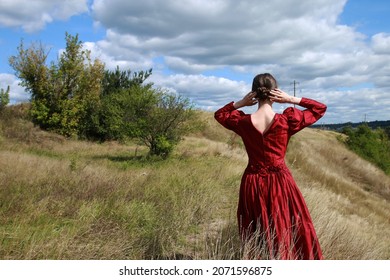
[78,97]
[123,110]
[165,123]
[117,80]
[155,117]
[30,67]
[119,87]
[65,95]
[4,98]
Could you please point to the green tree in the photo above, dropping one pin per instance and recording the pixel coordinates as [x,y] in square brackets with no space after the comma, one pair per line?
[120,89]
[117,80]
[124,110]
[155,117]
[78,97]
[165,123]
[64,96]
[30,67]
[4,98]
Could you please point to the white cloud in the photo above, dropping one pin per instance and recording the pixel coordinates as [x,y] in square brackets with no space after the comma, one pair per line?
[209,50]
[184,66]
[130,60]
[381,43]
[212,92]
[32,16]
[294,40]
[300,38]
[224,33]
[17,93]
[208,91]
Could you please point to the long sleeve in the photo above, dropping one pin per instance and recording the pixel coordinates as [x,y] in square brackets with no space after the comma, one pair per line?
[297,119]
[229,117]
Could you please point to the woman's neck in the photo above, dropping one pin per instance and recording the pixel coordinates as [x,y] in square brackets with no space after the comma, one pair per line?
[265,105]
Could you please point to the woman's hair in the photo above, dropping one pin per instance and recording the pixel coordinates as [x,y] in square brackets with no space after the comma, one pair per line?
[263,84]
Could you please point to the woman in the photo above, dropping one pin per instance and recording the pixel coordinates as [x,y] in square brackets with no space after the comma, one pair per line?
[270,203]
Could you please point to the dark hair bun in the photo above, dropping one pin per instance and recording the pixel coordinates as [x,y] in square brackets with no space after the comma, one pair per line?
[263,84]
[262,93]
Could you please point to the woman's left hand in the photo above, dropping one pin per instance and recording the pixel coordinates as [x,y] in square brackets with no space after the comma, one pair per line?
[279,96]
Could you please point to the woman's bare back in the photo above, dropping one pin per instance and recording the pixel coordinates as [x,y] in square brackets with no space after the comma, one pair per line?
[262,120]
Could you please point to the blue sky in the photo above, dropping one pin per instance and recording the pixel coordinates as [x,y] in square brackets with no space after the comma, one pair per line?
[369,17]
[209,50]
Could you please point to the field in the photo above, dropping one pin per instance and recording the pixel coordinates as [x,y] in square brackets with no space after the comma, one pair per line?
[67,199]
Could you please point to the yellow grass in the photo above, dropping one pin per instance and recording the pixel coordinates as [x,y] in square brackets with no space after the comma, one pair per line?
[66,199]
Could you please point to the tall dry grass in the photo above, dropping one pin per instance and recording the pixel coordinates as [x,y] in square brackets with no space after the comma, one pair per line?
[66,199]
[348,197]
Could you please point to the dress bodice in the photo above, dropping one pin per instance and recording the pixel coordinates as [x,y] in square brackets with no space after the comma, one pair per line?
[266,151]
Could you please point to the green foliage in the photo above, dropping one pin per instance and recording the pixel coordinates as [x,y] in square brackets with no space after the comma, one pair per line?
[162,146]
[165,123]
[76,97]
[373,145]
[64,95]
[124,99]
[117,80]
[133,109]
[157,118]
[124,111]
[30,67]
[387,131]
[4,98]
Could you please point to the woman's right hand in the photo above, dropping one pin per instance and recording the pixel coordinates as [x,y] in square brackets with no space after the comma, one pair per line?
[248,100]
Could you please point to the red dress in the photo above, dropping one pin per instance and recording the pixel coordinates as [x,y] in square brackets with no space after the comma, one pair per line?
[270,202]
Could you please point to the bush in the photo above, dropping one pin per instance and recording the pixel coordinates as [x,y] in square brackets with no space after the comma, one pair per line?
[76,97]
[165,123]
[63,94]
[4,98]
[372,145]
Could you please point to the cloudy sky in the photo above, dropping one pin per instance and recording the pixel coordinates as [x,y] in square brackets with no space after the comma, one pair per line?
[338,51]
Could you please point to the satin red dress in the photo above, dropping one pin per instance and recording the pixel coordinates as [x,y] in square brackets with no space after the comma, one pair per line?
[270,202]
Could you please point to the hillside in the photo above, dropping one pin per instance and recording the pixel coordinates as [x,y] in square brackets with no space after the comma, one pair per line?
[67,199]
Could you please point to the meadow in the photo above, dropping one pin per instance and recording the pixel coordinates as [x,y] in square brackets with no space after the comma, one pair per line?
[68,199]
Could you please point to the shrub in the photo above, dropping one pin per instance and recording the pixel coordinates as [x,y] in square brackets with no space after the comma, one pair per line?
[64,94]
[78,98]
[4,98]
[372,145]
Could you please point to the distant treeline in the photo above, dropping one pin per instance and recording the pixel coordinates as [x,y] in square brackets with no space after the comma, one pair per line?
[340,126]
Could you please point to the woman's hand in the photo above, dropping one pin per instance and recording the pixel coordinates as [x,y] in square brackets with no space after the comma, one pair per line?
[248,100]
[279,96]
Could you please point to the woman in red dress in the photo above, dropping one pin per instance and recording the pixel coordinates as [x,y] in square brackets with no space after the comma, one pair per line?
[271,208]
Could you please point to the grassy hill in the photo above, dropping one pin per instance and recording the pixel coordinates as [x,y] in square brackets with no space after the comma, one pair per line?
[67,199]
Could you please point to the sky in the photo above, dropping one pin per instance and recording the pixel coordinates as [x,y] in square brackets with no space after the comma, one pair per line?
[337,51]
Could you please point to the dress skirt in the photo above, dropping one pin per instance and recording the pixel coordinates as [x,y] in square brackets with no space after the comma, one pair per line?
[272,210]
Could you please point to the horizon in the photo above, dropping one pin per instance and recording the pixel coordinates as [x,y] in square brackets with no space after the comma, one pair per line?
[337,52]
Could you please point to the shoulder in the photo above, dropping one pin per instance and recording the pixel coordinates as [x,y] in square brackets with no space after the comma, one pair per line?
[293,116]
[238,116]
[229,116]
[290,112]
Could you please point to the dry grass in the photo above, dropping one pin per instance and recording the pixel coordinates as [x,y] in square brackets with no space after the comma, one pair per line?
[65,199]
[348,197]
